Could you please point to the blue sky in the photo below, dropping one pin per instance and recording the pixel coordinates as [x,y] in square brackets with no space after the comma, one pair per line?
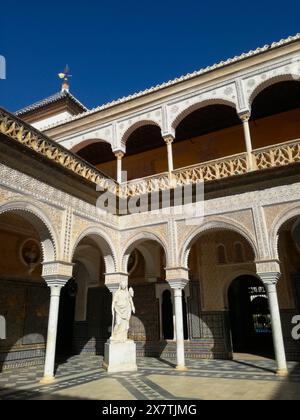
[115,48]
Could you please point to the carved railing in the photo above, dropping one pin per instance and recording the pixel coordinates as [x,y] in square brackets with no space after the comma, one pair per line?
[211,171]
[269,157]
[280,155]
[19,131]
[145,185]
[265,158]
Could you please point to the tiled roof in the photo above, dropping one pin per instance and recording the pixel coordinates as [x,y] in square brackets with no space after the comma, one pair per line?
[50,100]
[186,77]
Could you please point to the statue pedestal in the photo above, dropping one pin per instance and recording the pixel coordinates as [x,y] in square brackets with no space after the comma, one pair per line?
[120,356]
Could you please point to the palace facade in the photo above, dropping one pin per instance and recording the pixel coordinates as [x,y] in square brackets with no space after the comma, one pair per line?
[210,288]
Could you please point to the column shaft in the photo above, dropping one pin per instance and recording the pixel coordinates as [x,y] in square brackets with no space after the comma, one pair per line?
[277,329]
[170,156]
[52,333]
[119,157]
[179,329]
[248,140]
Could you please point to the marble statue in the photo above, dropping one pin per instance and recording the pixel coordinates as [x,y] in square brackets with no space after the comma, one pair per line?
[122,309]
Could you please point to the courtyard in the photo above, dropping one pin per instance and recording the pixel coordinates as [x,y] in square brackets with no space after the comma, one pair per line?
[82,378]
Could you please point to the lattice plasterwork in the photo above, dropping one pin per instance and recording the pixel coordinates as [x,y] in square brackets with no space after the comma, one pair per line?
[33,140]
[281,155]
[24,184]
[223,168]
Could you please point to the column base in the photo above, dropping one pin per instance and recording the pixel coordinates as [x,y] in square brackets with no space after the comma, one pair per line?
[181,368]
[47,380]
[120,357]
[282,372]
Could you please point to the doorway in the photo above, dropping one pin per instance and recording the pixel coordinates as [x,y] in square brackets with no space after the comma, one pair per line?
[250,319]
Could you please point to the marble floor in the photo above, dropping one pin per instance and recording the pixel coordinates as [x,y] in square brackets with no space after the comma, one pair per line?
[81,377]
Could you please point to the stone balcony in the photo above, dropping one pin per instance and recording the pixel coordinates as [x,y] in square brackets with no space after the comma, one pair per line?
[262,159]
[278,155]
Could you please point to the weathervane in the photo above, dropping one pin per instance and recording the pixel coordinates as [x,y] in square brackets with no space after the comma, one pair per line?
[65,76]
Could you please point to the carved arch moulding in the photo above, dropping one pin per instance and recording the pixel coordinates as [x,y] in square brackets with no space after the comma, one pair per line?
[255,84]
[41,220]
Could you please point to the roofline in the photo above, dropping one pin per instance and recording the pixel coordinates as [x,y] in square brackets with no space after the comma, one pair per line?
[48,101]
[18,130]
[181,79]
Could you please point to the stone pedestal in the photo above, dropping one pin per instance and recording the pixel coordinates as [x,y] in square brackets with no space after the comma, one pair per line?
[120,357]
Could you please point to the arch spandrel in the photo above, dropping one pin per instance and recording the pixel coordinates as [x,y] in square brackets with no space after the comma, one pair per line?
[253,86]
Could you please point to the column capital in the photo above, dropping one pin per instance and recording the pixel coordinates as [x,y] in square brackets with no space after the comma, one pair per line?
[270,279]
[57,273]
[269,271]
[115,278]
[178,284]
[119,154]
[175,273]
[169,138]
[245,116]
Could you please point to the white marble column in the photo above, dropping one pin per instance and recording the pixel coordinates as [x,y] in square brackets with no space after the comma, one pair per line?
[270,281]
[248,141]
[178,286]
[52,332]
[119,155]
[56,275]
[169,142]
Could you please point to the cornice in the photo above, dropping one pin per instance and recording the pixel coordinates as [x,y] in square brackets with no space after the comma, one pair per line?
[183,78]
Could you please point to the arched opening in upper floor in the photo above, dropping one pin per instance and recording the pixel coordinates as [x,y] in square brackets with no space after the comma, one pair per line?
[275,114]
[208,133]
[146,153]
[98,153]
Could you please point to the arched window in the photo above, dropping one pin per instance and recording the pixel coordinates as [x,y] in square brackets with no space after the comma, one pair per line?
[239,255]
[221,252]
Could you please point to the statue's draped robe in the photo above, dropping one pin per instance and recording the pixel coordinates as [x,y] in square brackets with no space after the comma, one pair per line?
[123,308]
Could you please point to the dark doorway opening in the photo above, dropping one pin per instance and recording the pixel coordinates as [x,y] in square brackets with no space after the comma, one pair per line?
[66,319]
[185,320]
[167,316]
[250,317]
